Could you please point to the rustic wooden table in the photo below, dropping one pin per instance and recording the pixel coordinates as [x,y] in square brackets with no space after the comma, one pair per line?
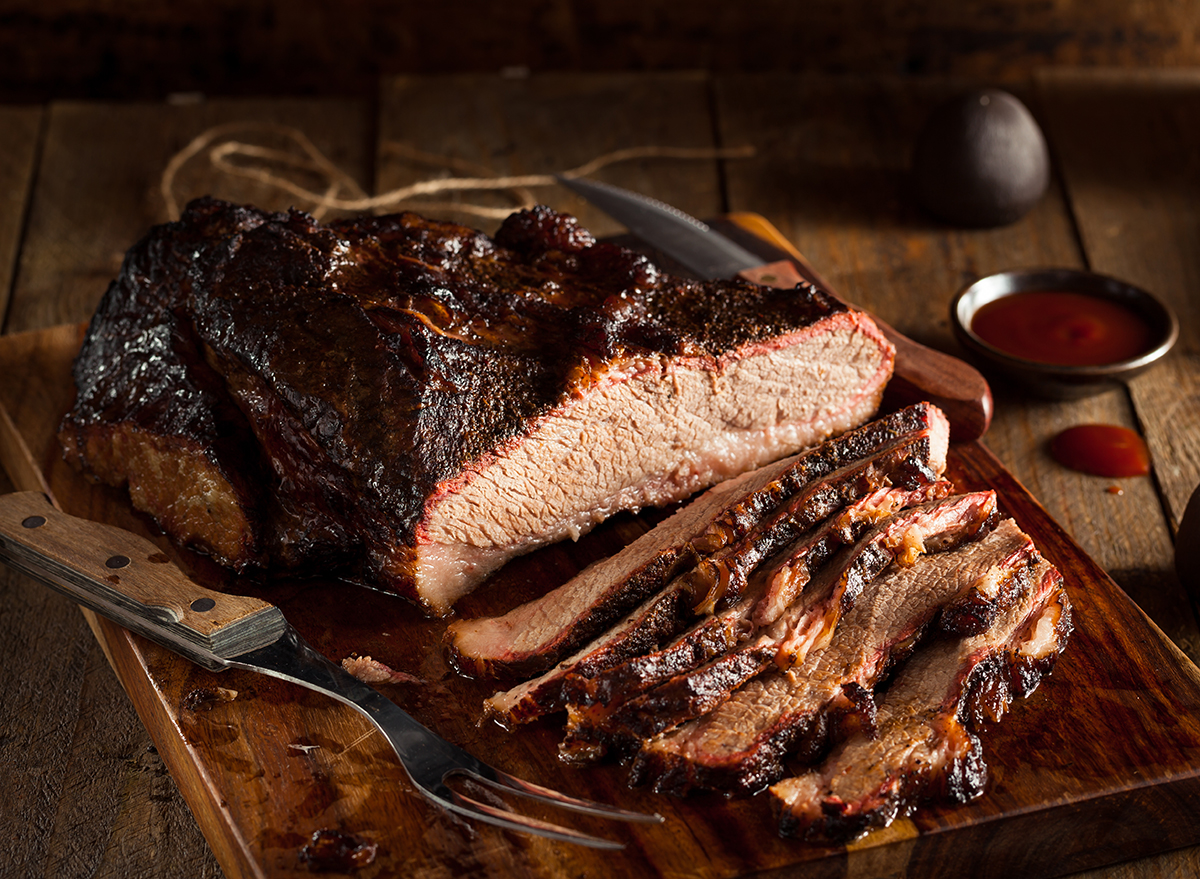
[83,791]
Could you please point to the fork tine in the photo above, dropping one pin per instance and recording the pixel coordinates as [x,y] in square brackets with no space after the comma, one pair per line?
[503,780]
[471,808]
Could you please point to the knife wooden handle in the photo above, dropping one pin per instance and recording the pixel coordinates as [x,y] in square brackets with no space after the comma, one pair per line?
[128,579]
[921,373]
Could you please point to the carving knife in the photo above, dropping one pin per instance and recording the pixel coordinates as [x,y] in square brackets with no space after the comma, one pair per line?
[920,373]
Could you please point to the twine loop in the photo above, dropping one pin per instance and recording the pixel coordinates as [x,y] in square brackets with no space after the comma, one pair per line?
[229,151]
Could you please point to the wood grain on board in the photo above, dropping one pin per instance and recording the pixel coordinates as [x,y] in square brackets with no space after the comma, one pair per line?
[19,127]
[266,768]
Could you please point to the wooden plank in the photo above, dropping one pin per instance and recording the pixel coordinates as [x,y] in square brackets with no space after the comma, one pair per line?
[1098,765]
[88,793]
[19,127]
[103,47]
[1127,147]
[95,796]
[548,123]
[832,174]
[99,186]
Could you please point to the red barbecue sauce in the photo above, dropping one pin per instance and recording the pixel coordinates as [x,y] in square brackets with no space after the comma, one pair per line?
[1062,328]
[1102,449]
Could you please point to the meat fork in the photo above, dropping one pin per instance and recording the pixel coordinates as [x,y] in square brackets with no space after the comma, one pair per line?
[129,580]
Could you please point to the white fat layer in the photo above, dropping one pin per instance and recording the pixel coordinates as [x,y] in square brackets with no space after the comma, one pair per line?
[989,584]
[1043,635]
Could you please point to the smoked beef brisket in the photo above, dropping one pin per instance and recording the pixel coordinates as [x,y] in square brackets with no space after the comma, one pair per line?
[775,611]
[427,402]
[741,745]
[708,546]
[923,745]
[807,625]
[739,529]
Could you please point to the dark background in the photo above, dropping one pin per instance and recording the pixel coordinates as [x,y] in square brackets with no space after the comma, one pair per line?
[110,49]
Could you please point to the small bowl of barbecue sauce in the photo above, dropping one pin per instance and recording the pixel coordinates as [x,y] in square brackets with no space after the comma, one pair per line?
[1062,333]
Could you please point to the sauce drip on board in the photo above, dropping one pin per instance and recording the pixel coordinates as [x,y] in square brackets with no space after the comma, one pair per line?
[1102,450]
[1063,328]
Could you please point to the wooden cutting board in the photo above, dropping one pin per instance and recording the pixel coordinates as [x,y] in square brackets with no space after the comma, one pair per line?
[1101,764]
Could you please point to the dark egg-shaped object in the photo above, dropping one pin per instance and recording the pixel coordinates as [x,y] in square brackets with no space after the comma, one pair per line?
[981,160]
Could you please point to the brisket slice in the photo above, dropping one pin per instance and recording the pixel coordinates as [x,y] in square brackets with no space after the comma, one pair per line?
[429,402]
[790,576]
[924,745]
[910,460]
[531,638]
[720,632]
[934,526]
[740,746]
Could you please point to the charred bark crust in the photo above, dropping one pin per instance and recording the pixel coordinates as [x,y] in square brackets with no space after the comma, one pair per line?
[333,380]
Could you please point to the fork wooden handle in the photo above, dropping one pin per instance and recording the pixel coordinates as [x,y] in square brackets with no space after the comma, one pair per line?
[128,579]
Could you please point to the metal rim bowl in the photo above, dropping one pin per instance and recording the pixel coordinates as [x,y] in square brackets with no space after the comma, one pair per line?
[1051,380]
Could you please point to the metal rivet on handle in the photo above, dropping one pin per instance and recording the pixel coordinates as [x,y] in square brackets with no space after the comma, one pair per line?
[34,522]
[200,605]
[117,561]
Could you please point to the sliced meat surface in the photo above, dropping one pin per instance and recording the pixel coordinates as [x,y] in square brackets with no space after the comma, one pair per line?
[716,633]
[898,541]
[910,460]
[923,745]
[740,746]
[790,576]
[531,638]
[710,543]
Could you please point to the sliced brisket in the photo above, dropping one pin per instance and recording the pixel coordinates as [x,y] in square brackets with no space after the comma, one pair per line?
[709,543]
[906,448]
[431,401]
[740,745]
[923,746]
[790,577]
[914,459]
[532,637]
[809,624]
[716,633]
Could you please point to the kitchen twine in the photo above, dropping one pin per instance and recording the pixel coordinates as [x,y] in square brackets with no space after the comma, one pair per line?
[268,165]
